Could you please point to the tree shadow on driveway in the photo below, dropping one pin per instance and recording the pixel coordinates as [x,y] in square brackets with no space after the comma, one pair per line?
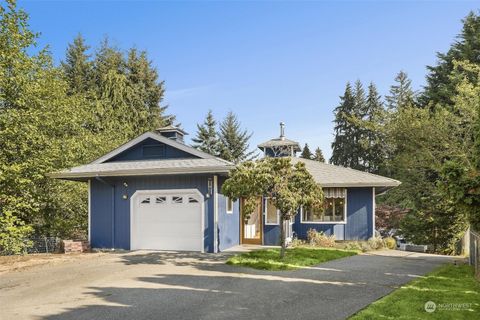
[185,285]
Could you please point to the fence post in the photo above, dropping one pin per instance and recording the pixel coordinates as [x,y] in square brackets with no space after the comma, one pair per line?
[475,252]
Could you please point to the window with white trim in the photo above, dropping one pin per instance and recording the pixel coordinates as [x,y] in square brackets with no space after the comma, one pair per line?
[272,214]
[334,208]
[229,205]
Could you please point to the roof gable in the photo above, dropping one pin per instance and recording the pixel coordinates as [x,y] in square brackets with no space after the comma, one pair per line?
[132,145]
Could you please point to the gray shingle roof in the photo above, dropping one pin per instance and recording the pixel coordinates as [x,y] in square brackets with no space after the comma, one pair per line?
[278,142]
[328,175]
[149,167]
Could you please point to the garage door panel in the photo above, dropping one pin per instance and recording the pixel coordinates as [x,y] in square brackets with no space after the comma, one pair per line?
[165,221]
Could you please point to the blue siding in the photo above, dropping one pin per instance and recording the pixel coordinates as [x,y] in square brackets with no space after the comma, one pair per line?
[101,215]
[359,224]
[359,221]
[136,152]
[271,235]
[101,200]
[228,223]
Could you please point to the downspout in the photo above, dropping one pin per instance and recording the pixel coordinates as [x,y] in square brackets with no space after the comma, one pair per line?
[113,208]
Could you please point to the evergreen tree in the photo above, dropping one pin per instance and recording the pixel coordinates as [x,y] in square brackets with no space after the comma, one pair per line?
[440,88]
[234,140]
[147,91]
[373,137]
[347,146]
[207,137]
[77,66]
[401,93]
[344,140]
[306,153]
[318,156]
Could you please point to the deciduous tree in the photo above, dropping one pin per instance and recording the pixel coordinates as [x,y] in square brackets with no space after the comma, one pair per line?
[288,186]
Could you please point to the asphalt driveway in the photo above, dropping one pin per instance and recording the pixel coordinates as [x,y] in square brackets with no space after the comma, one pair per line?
[173,285]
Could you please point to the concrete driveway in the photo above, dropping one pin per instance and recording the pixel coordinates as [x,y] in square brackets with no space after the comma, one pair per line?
[173,285]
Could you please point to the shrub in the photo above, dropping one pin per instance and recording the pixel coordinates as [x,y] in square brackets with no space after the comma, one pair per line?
[390,243]
[13,234]
[354,245]
[297,242]
[319,239]
[376,243]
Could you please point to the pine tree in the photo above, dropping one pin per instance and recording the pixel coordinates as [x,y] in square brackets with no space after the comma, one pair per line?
[234,140]
[306,153]
[318,156]
[207,138]
[77,66]
[344,140]
[401,93]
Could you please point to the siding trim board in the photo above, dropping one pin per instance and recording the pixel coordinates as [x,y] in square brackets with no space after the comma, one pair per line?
[374,207]
[89,210]
[215,213]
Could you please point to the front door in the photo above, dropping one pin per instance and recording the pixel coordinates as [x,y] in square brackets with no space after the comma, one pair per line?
[251,230]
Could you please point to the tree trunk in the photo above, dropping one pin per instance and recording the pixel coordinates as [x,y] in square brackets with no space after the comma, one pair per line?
[282,237]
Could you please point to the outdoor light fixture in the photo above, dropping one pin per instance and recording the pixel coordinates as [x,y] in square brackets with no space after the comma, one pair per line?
[125,195]
[210,187]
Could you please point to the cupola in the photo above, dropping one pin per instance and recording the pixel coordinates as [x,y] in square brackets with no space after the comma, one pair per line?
[281,146]
[172,132]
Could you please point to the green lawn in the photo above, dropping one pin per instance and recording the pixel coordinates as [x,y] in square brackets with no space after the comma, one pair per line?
[295,258]
[452,288]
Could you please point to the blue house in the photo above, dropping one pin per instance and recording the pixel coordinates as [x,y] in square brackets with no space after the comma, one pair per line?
[155,192]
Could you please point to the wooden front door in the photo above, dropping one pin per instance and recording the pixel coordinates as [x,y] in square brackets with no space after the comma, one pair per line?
[252,228]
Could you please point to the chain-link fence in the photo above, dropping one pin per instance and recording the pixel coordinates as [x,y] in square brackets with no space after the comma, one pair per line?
[475,252]
[45,245]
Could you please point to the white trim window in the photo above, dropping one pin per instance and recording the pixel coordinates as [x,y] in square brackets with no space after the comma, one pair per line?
[272,214]
[229,205]
[334,209]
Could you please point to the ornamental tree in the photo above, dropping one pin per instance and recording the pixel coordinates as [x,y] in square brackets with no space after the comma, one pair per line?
[288,186]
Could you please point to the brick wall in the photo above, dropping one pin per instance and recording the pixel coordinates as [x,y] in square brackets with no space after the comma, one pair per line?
[72,246]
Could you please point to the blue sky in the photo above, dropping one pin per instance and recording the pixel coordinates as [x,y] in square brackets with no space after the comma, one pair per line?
[266,61]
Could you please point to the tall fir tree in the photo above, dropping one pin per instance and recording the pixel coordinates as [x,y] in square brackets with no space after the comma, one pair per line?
[147,91]
[373,136]
[441,87]
[318,155]
[234,140]
[207,139]
[77,66]
[306,153]
[401,93]
[344,140]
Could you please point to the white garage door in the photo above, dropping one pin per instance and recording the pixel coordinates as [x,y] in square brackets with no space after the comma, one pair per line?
[167,220]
